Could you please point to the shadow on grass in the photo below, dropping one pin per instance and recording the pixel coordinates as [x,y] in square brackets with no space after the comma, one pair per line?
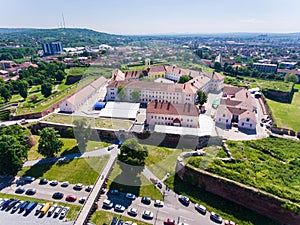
[69,151]
[197,194]
[38,170]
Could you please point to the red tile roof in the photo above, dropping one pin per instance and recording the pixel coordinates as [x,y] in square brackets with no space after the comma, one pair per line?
[172,109]
[156,69]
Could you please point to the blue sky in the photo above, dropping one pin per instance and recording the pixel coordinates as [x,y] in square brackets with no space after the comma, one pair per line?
[155,16]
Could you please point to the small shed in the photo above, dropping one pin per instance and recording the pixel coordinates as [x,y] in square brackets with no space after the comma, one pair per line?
[99,105]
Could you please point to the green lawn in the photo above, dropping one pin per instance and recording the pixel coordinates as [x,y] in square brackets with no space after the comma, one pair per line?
[101,218]
[287,115]
[83,171]
[128,179]
[94,122]
[70,147]
[226,209]
[72,214]
[270,164]
[162,160]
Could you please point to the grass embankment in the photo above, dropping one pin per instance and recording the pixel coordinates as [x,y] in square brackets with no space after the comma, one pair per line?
[287,115]
[70,147]
[72,214]
[270,164]
[84,170]
[101,217]
[94,122]
[226,209]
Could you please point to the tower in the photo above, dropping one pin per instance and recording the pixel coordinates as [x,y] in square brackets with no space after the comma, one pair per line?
[147,63]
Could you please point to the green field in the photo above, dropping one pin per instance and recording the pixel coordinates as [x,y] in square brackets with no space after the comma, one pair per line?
[94,122]
[84,170]
[162,160]
[102,218]
[70,147]
[126,178]
[95,70]
[270,164]
[287,115]
[72,214]
[226,209]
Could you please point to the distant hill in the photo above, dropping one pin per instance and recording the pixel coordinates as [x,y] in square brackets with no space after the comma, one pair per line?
[70,37]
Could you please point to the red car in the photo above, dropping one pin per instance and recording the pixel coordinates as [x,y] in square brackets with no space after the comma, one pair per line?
[169,221]
[71,198]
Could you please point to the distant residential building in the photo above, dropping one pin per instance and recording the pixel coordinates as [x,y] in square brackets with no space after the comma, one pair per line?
[286,71]
[236,107]
[265,68]
[7,64]
[173,73]
[288,65]
[166,113]
[71,104]
[52,48]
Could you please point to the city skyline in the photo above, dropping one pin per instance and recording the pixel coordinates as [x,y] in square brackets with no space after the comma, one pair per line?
[155,17]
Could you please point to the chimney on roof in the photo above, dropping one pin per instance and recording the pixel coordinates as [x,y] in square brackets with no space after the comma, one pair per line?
[155,105]
[168,107]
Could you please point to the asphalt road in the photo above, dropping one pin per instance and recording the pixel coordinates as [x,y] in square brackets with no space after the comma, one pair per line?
[173,210]
[44,191]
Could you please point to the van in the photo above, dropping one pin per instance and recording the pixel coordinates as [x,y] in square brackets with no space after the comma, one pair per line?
[52,209]
[46,207]
[31,206]
[24,205]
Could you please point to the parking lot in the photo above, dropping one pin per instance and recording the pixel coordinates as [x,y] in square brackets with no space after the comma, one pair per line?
[45,191]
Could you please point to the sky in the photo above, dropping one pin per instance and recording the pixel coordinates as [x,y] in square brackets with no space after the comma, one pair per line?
[155,16]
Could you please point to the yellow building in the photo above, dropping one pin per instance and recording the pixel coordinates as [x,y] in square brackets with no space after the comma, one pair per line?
[157,72]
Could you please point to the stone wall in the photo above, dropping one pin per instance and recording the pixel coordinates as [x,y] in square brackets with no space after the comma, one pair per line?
[251,198]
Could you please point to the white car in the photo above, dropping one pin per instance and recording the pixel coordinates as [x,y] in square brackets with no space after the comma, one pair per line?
[58,210]
[200,208]
[147,214]
[64,212]
[132,212]
[78,186]
[119,208]
[39,208]
[159,203]
[107,204]
[52,209]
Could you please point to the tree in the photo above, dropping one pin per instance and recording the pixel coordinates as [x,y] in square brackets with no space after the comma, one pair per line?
[82,132]
[121,93]
[218,66]
[23,88]
[184,78]
[133,153]
[5,93]
[290,77]
[60,75]
[49,143]
[135,96]
[46,89]
[202,97]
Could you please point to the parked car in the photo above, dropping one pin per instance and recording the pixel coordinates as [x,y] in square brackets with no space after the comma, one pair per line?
[119,208]
[29,178]
[82,200]
[20,190]
[30,191]
[52,209]
[58,211]
[2,201]
[71,198]
[43,181]
[132,212]
[16,207]
[6,203]
[58,195]
[184,200]
[107,204]
[168,221]
[12,204]
[130,196]
[114,192]
[147,214]
[114,221]
[31,206]
[24,205]
[146,200]
[38,208]
[103,190]
[64,212]
[200,208]
[215,217]
[228,222]
[54,183]
[158,203]
[159,185]
[89,188]
[110,148]
[65,184]
[78,187]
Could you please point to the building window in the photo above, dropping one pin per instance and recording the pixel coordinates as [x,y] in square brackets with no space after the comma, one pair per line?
[251,125]
[243,124]
[219,119]
[223,115]
[151,117]
[226,121]
[247,119]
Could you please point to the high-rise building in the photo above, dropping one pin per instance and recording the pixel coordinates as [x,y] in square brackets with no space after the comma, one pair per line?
[52,48]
